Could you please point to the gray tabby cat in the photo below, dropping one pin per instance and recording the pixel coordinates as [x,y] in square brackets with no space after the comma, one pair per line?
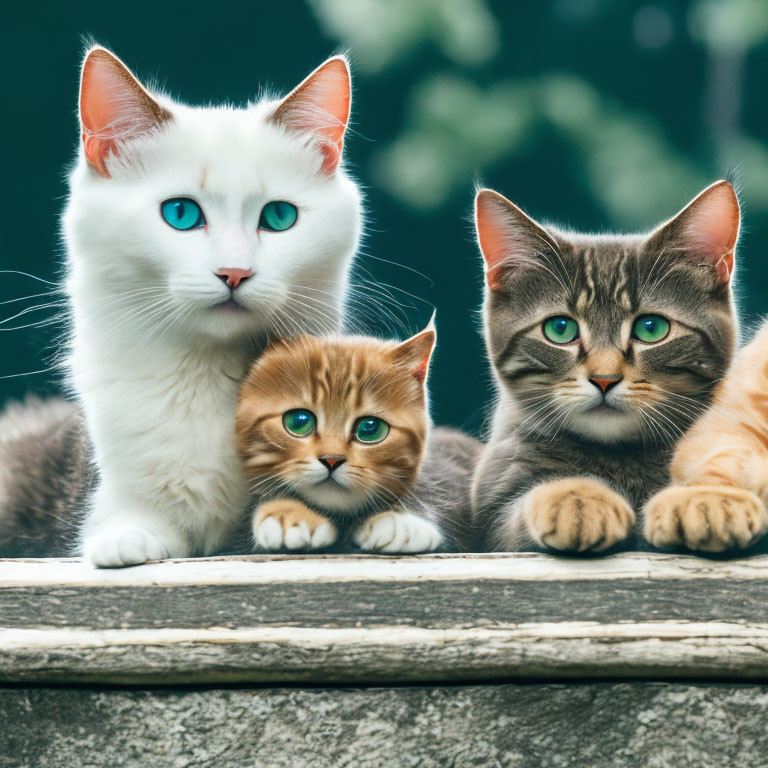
[604,348]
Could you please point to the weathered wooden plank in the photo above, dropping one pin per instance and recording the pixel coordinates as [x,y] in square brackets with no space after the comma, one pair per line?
[423,603]
[271,569]
[532,726]
[377,619]
[654,650]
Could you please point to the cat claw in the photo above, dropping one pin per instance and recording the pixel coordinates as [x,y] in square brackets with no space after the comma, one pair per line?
[397,532]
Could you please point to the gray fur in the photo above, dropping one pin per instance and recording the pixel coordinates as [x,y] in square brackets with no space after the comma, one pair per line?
[442,490]
[45,476]
[608,281]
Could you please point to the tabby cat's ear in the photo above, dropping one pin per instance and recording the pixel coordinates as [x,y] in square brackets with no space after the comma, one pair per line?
[706,230]
[114,106]
[416,352]
[321,105]
[508,238]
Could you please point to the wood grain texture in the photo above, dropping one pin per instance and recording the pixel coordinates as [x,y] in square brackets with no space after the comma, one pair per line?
[382,620]
[269,569]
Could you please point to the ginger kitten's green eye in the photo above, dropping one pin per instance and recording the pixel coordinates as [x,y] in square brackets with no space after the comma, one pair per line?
[278,216]
[651,329]
[561,329]
[182,213]
[369,429]
[299,422]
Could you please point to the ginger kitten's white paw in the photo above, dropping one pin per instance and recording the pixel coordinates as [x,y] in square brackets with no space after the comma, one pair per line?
[397,532]
[125,545]
[291,524]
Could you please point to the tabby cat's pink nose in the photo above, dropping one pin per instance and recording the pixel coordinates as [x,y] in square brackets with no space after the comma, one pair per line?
[233,277]
[604,383]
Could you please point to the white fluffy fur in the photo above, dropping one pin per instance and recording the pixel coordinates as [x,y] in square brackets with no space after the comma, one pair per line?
[155,368]
[398,532]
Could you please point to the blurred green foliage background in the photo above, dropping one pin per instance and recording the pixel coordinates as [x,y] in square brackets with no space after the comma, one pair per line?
[597,114]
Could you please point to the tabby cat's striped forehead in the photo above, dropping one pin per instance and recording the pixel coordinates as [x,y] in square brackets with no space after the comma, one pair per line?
[607,280]
[604,273]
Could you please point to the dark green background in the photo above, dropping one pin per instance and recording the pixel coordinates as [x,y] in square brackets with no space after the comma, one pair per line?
[592,113]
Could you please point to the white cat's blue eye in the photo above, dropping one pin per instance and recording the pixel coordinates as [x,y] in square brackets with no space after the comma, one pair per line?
[277,216]
[182,213]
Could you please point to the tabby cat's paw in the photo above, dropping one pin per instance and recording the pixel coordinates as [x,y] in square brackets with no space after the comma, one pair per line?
[705,518]
[577,515]
[115,546]
[289,523]
[397,532]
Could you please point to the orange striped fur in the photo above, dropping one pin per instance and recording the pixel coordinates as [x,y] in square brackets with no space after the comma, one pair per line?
[719,472]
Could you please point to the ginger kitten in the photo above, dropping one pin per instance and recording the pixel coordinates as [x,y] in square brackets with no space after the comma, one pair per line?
[333,432]
[719,472]
[605,349]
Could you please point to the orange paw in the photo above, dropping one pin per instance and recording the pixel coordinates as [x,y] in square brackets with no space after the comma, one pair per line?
[577,515]
[705,518]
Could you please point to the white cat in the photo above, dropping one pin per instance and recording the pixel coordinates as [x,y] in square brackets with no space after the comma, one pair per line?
[193,236]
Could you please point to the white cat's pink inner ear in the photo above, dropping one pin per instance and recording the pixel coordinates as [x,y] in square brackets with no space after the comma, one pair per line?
[113,107]
[712,227]
[320,105]
[416,352]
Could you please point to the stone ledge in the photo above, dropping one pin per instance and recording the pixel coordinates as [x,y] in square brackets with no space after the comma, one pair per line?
[599,725]
[365,619]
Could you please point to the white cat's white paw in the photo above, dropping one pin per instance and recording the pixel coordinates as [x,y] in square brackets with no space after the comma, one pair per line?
[118,546]
[397,532]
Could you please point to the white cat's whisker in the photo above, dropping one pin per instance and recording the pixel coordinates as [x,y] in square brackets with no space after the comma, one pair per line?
[31,296]
[27,274]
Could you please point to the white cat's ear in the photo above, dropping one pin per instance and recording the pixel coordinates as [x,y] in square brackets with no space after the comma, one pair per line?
[320,105]
[507,237]
[416,352]
[706,230]
[114,106]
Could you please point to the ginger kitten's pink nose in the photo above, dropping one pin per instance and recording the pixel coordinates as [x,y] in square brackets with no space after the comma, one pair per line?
[332,462]
[233,277]
[605,382]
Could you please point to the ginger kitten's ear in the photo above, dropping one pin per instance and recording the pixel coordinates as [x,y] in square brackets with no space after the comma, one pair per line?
[507,237]
[114,106]
[321,105]
[707,229]
[416,352]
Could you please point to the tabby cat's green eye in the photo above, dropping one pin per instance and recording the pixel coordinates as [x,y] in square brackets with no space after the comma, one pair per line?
[561,329]
[651,328]
[299,422]
[369,429]
[278,216]
[182,213]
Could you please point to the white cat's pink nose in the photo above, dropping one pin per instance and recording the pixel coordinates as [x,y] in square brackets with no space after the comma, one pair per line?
[233,277]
